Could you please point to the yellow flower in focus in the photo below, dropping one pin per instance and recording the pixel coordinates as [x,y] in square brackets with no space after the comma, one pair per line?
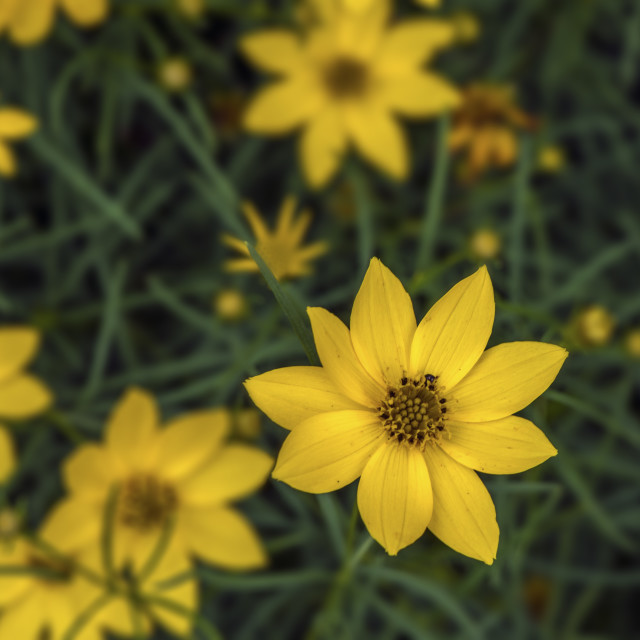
[344,80]
[175,74]
[485,127]
[552,159]
[413,411]
[632,343]
[485,244]
[22,395]
[192,9]
[281,249]
[183,475]
[14,124]
[230,305]
[29,21]
[594,326]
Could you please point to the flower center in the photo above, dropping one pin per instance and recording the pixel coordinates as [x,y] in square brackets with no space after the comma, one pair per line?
[346,78]
[413,413]
[146,502]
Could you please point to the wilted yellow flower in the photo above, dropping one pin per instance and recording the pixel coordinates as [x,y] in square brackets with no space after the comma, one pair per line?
[22,395]
[191,8]
[183,476]
[29,21]
[632,343]
[175,74]
[486,125]
[412,411]
[552,158]
[485,244]
[281,249]
[344,80]
[230,304]
[14,124]
[594,326]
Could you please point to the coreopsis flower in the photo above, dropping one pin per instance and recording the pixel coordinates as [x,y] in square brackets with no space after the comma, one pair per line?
[29,21]
[413,411]
[343,80]
[486,126]
[485,244]
[22,395]
[183,476]
[14,125]
[594,326]
[281,249]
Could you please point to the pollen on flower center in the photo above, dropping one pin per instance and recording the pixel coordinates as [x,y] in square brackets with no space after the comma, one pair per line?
[146,502]
[413,413]
[346,77]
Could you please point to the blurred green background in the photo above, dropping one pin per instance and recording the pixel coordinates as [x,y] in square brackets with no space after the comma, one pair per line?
[110,244]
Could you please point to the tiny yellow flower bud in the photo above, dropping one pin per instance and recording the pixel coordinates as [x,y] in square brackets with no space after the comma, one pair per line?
[552,159]
[632,343]
[595,326]
[247,423]
[485,244]
[230,305]
[175,74]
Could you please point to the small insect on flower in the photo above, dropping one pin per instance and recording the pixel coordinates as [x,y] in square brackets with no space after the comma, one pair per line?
[413,411]
[14,125]
[281,249]
[344,80]
[28,22]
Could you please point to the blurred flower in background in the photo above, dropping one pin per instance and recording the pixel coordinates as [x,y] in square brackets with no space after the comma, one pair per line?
[552,159]
[246,423]
[485,244]
[344,81]
[282,248]
[230,305]
[632,343]
[594,326]
[191,8]
[175,74]
[28,22]
[413,411]
[14,125]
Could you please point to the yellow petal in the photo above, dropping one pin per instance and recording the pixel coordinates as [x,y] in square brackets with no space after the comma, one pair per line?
[86,13]
[8,166]
[23,397]
[15,123]
[455,331]
[132,427]
[394,496]
[358,34]
[322,146]
[464,517]
[25,619]
[293,394]
[379,138]
[32,21]
[418,94]
[382,324]
[190,440]
[329,451]
[7,454]
[509,445]
[412,43]
[7,10]
[222,537]
[357,5]
[283,105]
[18,346]
[73,524]
[91,470]
[335,350]
[276,51]
[506,379]
[236,472]
[14,586]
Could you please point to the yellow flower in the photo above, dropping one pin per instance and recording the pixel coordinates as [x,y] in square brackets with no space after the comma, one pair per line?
[594,326]
[183,475]
[14,124]
[485,244]
[632,343]
[412,411]
[175,74]
[364,5]
[486,125]
[344,80]
[230,304]
[22,395]
[29,21]
[552,159]
[281,249]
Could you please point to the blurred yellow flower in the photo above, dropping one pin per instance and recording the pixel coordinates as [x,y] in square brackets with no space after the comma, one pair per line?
[183,476]
[485,244]
[485,126]
[632,343]
[175,74]
[14,124]
[412,410]
[363,5]
[29,21]
[22,395]
[230,305]
[191,8]
[281,249]
[247,423]
[344,80]
[594,326]
[552,158]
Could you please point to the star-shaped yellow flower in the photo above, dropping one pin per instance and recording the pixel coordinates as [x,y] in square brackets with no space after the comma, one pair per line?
[184,475]
[14,124]
[30,21]
[281,249]
[412,411]
[343,80]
